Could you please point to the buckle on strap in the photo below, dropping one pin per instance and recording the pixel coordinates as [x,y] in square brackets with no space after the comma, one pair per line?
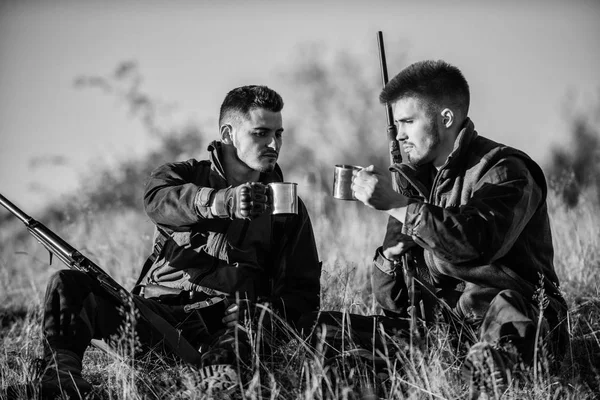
[202,304]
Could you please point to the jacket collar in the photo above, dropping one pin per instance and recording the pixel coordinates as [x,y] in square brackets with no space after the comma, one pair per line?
[466,135]
[216,155]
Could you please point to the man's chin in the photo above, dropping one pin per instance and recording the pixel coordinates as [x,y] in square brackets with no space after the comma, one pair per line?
[265,168]
[268,169]
[414,161]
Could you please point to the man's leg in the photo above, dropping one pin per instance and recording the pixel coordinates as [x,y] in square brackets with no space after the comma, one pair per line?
[337,333]
[75,311]
[511,332]
[514,323]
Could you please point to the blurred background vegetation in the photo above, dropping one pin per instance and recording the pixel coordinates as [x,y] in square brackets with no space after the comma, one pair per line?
[339,120]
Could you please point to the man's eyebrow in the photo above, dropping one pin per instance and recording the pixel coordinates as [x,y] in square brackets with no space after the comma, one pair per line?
[264,128]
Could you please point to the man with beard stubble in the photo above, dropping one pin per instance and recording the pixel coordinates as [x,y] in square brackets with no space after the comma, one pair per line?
[474,212]
[216,243]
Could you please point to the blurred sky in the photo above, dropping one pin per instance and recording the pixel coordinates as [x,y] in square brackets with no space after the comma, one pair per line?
[529,63]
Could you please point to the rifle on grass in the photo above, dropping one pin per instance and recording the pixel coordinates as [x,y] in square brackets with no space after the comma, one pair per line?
[73,259]
[409,268]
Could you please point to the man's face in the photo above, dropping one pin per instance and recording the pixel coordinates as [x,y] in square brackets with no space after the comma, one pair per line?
[257,139]
[418,131]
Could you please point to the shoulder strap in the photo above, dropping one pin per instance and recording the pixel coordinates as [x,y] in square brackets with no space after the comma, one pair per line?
[160,238]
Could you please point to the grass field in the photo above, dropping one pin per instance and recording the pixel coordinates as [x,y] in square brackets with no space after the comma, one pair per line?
[347,235]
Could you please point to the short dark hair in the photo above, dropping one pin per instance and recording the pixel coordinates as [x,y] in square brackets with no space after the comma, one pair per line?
[433,81]
[243,99]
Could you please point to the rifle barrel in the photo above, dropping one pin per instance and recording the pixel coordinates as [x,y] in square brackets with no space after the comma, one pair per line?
[15,210]
[382,61]
[384,77]
[392,132]
[63,250]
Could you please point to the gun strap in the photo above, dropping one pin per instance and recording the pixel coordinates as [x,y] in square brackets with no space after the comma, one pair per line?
[160,238]
[173,338]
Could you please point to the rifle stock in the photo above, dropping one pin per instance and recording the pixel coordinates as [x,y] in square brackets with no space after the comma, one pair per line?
[75,260]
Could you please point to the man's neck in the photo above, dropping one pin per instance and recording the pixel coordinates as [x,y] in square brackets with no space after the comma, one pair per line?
[236,172]
[446,147]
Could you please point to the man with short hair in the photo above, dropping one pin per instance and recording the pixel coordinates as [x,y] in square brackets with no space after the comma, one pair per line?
[474,211]
[219,253]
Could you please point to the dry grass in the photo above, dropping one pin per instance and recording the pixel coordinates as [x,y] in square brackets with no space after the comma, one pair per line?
[347,235]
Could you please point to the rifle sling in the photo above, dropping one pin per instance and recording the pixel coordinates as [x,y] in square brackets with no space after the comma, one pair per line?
[177,343]
[157,248]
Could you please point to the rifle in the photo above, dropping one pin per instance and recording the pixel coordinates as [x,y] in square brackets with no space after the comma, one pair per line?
[392,132]
[409,269]
[73,259]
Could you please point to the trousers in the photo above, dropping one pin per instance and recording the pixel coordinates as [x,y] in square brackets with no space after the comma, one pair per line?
[77,310]
[508,319]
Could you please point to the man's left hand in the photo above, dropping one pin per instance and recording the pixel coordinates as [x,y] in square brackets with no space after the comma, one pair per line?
[231,315]
[402,245]
[374,189]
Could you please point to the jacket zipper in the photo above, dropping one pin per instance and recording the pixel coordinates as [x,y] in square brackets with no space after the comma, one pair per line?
[430,261]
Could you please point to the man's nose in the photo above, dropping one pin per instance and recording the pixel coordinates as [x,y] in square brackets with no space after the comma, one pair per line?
[273,143]
[401,135]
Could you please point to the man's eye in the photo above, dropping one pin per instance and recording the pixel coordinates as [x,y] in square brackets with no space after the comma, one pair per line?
[259,133]
[279,135]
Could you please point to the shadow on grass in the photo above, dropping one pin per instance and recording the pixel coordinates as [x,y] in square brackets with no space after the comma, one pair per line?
[9,316]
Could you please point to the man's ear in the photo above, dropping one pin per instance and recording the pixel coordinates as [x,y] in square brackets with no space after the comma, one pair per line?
[226,134]
[447,117]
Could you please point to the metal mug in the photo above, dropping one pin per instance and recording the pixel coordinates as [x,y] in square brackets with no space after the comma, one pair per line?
[342,181]
[284,198]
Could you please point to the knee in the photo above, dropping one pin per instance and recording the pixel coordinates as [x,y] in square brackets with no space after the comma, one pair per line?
[69,283]
[65,278]
[513,301]
[511,296]
[511,318]
[475,301]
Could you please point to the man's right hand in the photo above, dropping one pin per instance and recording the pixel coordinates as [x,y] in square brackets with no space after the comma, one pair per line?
[246,201]
[374,189]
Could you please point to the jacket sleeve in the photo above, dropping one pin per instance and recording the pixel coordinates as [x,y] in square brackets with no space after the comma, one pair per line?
[389,288]
[297,281]
[173,200]
[486,227]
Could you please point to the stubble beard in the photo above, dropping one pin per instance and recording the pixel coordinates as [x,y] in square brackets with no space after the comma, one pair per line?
[256,165]
[267,168]
[428,156]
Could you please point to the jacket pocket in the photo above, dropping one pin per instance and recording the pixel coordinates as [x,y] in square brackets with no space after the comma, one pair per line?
[228,246]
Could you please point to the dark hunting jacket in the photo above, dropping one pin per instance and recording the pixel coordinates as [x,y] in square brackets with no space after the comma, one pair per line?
[272,257]
[481,222]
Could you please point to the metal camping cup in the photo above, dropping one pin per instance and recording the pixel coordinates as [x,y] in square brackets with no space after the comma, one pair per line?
[284,198]
[342,181]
